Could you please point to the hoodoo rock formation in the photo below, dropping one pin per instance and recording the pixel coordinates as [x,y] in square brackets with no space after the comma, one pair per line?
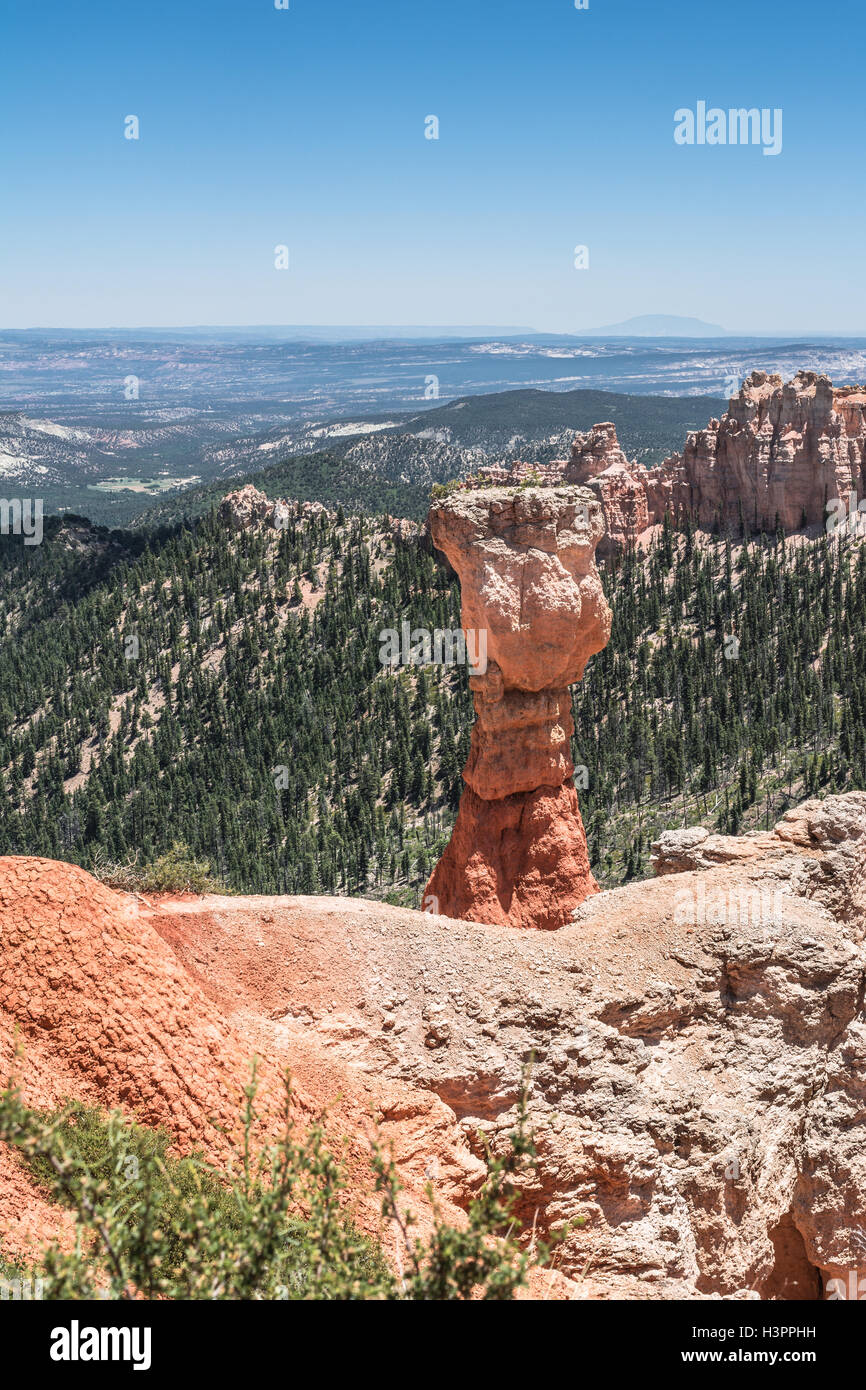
[598,461]
[525,559]
[778,455]
[781,451]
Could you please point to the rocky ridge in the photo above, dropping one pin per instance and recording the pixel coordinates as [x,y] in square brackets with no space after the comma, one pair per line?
[248,507]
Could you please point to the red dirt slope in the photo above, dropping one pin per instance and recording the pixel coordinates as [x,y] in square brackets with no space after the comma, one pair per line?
[115,1001]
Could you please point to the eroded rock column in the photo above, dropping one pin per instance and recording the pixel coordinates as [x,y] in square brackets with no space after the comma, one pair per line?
[525,560]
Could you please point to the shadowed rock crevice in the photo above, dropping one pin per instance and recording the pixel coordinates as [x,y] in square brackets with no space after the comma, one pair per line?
[793,1278]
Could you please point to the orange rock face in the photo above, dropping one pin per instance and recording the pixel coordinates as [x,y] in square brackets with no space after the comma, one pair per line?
[620,486]
[525,558]
[81,967]
[779,454]
[780,451]
[159,1006]
[521,861]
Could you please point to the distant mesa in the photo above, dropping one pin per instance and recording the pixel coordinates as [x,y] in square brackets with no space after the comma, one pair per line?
[657,326]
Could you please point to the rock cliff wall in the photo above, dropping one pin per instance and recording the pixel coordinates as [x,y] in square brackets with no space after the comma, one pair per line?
[699,1083]
[778,455]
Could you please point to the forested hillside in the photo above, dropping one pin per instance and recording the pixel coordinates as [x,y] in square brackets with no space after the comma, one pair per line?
[733,686]
[376,465]
[324,476]
[224,689]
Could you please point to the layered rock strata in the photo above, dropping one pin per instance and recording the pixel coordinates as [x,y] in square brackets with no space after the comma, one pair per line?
[779,454]
[525,559]
[598,461]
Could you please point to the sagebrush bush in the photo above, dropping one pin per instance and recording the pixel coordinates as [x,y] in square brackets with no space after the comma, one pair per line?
[12,1267]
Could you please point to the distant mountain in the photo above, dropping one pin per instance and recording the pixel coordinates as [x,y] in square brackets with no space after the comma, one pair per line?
[659,326]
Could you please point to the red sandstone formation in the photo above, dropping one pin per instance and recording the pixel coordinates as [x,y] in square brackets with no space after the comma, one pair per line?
[158,1007]
[599,462]
[81,970]
[780,451]
[525,559]
[779,454]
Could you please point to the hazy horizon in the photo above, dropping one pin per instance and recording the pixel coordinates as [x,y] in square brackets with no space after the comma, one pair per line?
[421,331]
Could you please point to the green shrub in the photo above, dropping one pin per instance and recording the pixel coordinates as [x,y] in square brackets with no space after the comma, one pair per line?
[272,1224]
[12,1267]
[439,490]
[176,871]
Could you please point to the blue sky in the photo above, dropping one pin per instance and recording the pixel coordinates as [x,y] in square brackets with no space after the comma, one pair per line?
[305,127]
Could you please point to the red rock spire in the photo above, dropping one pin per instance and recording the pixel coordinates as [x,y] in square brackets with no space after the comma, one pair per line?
[525,558]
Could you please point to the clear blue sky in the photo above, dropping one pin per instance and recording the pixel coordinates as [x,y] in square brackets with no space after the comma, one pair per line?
[306,127]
